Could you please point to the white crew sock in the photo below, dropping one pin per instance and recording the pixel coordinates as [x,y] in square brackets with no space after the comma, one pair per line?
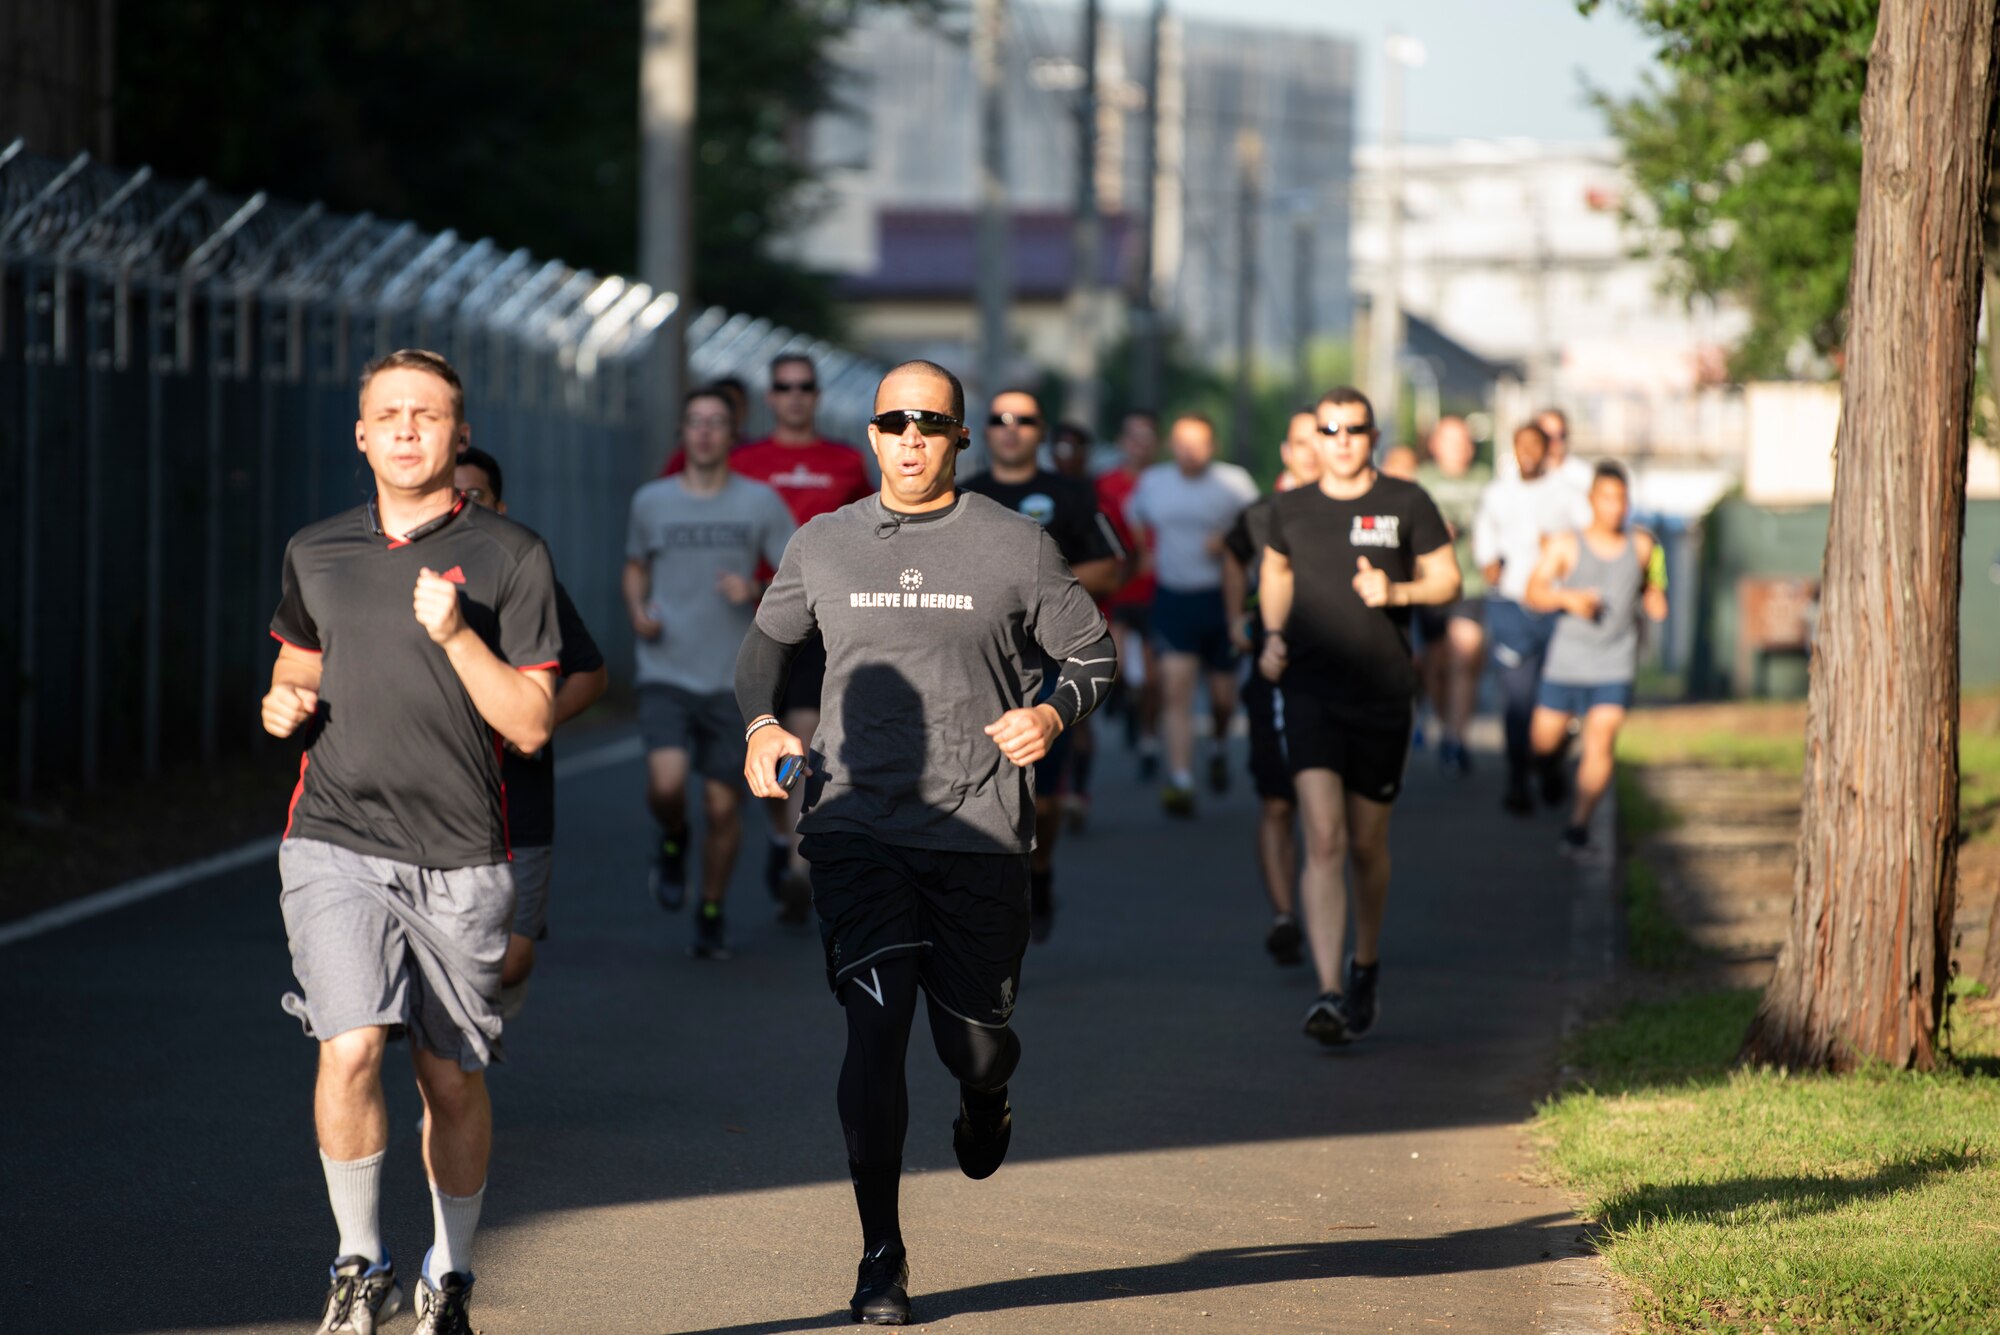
[457,1219]
[355,1188]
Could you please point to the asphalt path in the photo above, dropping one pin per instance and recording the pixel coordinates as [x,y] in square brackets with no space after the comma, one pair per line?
[667,1156]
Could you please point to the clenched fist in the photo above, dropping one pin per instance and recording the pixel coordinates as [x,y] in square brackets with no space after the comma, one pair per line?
[286,707]
[436,604]
[1024,735]
[1371,584]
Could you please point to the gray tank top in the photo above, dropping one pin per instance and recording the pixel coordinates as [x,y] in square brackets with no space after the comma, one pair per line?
[1603,651]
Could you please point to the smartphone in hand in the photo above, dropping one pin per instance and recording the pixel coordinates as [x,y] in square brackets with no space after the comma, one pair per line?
[789,771]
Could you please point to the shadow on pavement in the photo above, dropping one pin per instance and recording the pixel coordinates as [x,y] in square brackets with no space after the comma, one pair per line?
[1527,1242]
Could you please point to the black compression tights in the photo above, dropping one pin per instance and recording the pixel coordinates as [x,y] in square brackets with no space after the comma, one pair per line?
[874,1097]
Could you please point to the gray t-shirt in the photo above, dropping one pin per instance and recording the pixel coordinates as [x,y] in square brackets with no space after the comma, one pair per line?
[688,543]
[1184,513]
[935,626]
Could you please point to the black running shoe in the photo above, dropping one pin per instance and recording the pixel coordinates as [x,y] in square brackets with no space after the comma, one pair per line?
[980,1140]
[444,1308]
[1555,784]
[1177,801]
[1358,1008]
[668,874]
[881,1290]
[777,865]
[362,1297]
[1325,1021]
[1285,941]
[708,938]
[1518,801]
[1218,773]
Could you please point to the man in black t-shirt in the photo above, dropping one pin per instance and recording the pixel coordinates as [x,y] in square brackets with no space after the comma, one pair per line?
[1345,561]
[530,780]
[1067,508]
[1263,702]
[418,636]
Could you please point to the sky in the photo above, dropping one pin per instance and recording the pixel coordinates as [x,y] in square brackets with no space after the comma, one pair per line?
[1494,68]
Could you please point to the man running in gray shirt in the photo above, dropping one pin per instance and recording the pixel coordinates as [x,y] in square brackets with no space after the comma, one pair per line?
[692,556]
[936,607]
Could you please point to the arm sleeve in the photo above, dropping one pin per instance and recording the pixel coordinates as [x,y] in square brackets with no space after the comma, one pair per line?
[580,653]
[778,530]
[786,613]
[292,623]
[762,665]
[1428,531]
[1085,679]
[530,626]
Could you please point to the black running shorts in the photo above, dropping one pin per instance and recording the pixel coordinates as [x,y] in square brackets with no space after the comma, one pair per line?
[1264,704]
[964,915]
[1367,755]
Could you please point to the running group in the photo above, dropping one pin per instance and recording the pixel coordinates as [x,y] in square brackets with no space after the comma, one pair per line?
[916,770]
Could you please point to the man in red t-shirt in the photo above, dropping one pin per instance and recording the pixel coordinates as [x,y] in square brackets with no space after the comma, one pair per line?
[814,476]
[1131,606]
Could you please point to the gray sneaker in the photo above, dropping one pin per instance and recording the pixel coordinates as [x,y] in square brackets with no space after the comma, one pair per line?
[443,1309]
[362,1297]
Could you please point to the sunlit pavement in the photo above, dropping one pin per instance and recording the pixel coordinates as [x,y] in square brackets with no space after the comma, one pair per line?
[668,1157]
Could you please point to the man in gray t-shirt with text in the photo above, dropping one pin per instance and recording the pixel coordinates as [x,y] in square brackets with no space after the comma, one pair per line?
[695,549]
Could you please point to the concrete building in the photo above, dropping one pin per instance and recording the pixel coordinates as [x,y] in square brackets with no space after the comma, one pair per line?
[1518,250]
[899,164]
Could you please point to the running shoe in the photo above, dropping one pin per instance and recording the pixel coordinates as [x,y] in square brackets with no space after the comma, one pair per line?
[1454,759]
[777,865]
[881,1290]
[668,874]
[1076,808]
[1324,1020]
[1358,1008]
[1218,773]
[443,1309]
[362,1297]
[1285,940]
[1177,801]
[980,1139]
[1575,840]
[708,939]
[795,897]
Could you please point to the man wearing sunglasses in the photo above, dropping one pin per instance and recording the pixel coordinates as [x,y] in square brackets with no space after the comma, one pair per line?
[1344,562]
[1067,508]
[936,608]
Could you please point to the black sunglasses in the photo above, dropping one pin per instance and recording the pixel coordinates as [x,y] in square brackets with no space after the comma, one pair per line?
[898,420]
[1367,429]
[1013,419]
[794,387]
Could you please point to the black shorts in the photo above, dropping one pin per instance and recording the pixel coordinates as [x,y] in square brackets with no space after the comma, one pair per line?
[807,679]
[1367,755]
[964,915]
[1194,623]
[708,727]
[1264,704]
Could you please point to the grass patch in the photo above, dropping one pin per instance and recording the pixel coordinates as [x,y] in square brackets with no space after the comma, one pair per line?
[1653,940]
[1735,1200]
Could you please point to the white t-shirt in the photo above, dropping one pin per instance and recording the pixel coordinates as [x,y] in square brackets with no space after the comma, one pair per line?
[1184,513]
[1514,516]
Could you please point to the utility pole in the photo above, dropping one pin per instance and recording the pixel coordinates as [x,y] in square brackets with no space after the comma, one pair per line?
[666,204]
[1145,316]
[1249,163]
[1086,243]
[1302,304]
[989,34]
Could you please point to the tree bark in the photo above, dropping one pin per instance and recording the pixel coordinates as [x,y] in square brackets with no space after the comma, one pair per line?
[1862,975]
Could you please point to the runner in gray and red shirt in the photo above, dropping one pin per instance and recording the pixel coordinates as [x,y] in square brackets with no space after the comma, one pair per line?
[419,636]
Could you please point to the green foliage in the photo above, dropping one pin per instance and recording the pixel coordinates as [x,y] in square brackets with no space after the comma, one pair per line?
[510,118]
[1747,158]
[1736,1200]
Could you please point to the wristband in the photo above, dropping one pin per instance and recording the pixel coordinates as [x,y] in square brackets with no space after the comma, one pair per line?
[768,721]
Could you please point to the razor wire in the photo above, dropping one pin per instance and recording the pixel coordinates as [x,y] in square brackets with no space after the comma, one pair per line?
[178,368]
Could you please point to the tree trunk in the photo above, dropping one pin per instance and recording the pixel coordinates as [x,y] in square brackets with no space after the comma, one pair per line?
[1863,971]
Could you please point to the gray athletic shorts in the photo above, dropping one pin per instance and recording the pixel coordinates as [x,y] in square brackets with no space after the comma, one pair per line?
[380,942]
[532,868]
[708,727]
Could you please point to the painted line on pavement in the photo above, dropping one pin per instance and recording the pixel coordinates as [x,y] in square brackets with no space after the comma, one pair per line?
[218,864]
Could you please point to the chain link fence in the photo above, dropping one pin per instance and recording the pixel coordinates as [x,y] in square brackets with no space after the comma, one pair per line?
[177,391]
